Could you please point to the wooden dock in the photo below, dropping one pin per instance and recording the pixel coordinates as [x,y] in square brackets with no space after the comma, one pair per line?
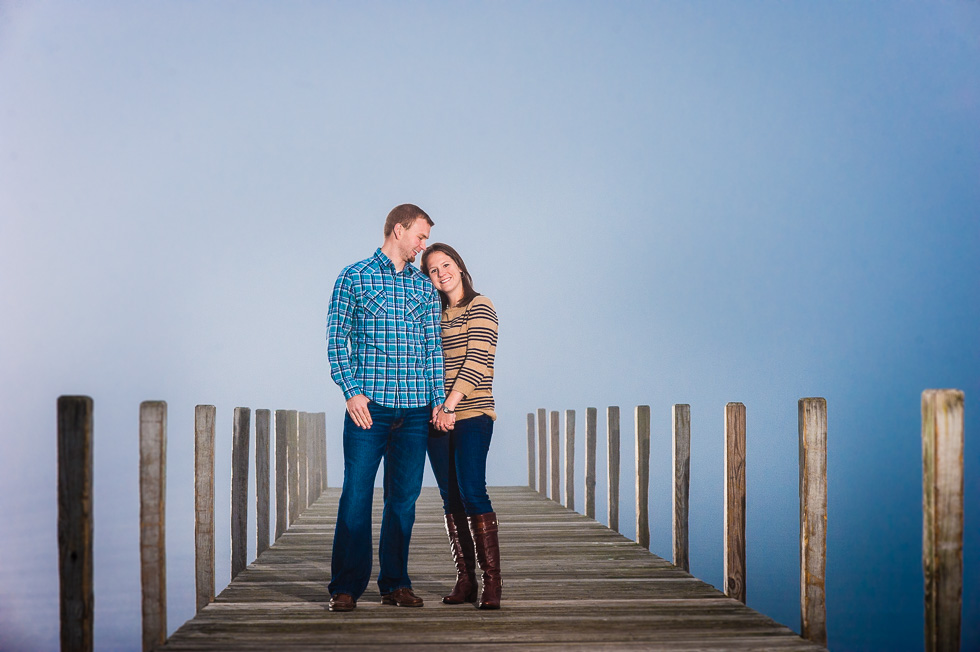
[569,583]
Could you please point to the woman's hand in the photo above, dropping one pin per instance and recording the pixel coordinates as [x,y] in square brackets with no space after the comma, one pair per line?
[444,422]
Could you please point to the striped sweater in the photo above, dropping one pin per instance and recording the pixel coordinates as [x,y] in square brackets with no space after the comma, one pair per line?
[469,341]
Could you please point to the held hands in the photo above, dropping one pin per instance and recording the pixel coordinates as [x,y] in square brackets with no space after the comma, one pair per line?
[442,421]
[357,408]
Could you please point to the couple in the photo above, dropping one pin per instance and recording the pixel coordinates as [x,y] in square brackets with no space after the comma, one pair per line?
[396,347]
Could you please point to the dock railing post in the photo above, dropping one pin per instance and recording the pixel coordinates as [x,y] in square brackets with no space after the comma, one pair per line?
[813,519]
[262,418]
[570,459]
[942,517]
[734,541]
[239,490]
[292,453]
[530,450]
[303,460]
[153,549]
[612,460]
[591,417]
[282,456]
[75,528]
[204,504]
[555,458]
[542,451]
[642,458]
[681,435]
[322,420]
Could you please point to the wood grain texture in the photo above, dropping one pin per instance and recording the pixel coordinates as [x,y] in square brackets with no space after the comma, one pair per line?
[262,479]
[641,420]
[734,538]
[543,451]
[680,501]
[813,519]
[570,459]
[530,450]
[555,493]
[612,468]
[322,423]
[204,416]
[282,486]
[942,523]
[153,549]
[292,458]
[75,527]
[241,425]
[303,459]
[569,584]
[591,420]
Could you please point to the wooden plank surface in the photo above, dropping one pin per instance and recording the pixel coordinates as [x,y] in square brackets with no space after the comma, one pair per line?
[569,583]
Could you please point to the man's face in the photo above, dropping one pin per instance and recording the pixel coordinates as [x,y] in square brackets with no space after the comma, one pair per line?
[412,240]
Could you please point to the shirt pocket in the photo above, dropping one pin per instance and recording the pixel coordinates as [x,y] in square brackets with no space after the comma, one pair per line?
[416,305]
[375,303]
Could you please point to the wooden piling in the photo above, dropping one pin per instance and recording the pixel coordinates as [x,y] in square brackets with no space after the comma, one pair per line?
[612,460]
[322,420]
[591,417]
[282,488]
[530,450]
[570,459]
[75,527]
[302,459]
[542,452]
[813,519]
[204,416]
[312,452]
[642,428]
[262,472]
[239,490]
[292,454]
[942,522]
[681,435]
[555,458]
[153,493]
[734,541]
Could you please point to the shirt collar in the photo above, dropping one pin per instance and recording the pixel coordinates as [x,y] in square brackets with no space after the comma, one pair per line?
[385,262]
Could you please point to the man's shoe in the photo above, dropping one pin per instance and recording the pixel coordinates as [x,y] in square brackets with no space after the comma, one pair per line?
[342,602]
[402,597]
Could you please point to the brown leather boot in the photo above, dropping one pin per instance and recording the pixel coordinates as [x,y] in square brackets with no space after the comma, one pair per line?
[484,529]
[461,545]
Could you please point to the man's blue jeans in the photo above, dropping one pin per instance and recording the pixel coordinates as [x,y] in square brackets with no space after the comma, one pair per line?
[399,436]
[459,462]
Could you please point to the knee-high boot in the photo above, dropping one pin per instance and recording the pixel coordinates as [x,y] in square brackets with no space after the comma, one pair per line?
[461,545]
[484,529]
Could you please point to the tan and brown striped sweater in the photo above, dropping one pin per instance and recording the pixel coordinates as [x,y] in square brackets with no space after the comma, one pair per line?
[469,342]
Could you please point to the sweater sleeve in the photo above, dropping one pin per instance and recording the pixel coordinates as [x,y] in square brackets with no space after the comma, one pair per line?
[481,340]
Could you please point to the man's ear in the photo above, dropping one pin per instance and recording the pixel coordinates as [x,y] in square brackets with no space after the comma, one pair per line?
[398,230]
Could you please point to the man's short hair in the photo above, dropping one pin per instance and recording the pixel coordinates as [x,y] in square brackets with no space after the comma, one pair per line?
[405,214]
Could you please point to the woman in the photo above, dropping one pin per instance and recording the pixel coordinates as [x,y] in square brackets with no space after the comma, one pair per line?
[459,438]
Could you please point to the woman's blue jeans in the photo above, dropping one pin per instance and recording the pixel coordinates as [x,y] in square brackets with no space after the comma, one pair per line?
[397,435]
[459,462]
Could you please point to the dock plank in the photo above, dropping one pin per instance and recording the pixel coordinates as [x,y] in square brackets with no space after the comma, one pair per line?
[569,582]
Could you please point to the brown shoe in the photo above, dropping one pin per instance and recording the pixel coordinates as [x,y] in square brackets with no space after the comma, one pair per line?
[402,597]
[342,602]
[464,554]
[483,527]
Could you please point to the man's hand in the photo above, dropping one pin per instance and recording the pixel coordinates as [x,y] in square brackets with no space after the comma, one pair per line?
[357,408]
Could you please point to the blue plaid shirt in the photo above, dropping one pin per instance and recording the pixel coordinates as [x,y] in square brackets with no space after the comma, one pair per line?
[384,337]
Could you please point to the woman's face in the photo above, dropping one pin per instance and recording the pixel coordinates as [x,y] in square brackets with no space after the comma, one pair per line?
[444,273]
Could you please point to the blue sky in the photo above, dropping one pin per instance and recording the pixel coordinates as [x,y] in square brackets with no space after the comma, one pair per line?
[667,202]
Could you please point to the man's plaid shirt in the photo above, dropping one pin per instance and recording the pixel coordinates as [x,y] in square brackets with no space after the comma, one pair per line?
[384,338]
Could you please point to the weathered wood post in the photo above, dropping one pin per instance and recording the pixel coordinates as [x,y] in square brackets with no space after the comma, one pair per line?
[542,451]
[813,519]
[302,459]
[570,459]
[530,450]
[681,435]
[282,488]
[75,528]
[642,427]
[312,451]
[204,504]
[591,417]
[942,521]
[262,472]
[153,493]
[612,459]
[239,490]
[292,453]
[555,458]
[322,419]
[734,553]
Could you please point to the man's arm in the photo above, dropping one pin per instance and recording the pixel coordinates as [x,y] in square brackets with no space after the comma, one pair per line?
[340,323]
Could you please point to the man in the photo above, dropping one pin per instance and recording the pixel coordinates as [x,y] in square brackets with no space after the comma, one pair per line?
[384,344]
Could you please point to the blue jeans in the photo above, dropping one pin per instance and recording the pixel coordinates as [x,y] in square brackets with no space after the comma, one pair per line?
[398,435]
[459,462]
